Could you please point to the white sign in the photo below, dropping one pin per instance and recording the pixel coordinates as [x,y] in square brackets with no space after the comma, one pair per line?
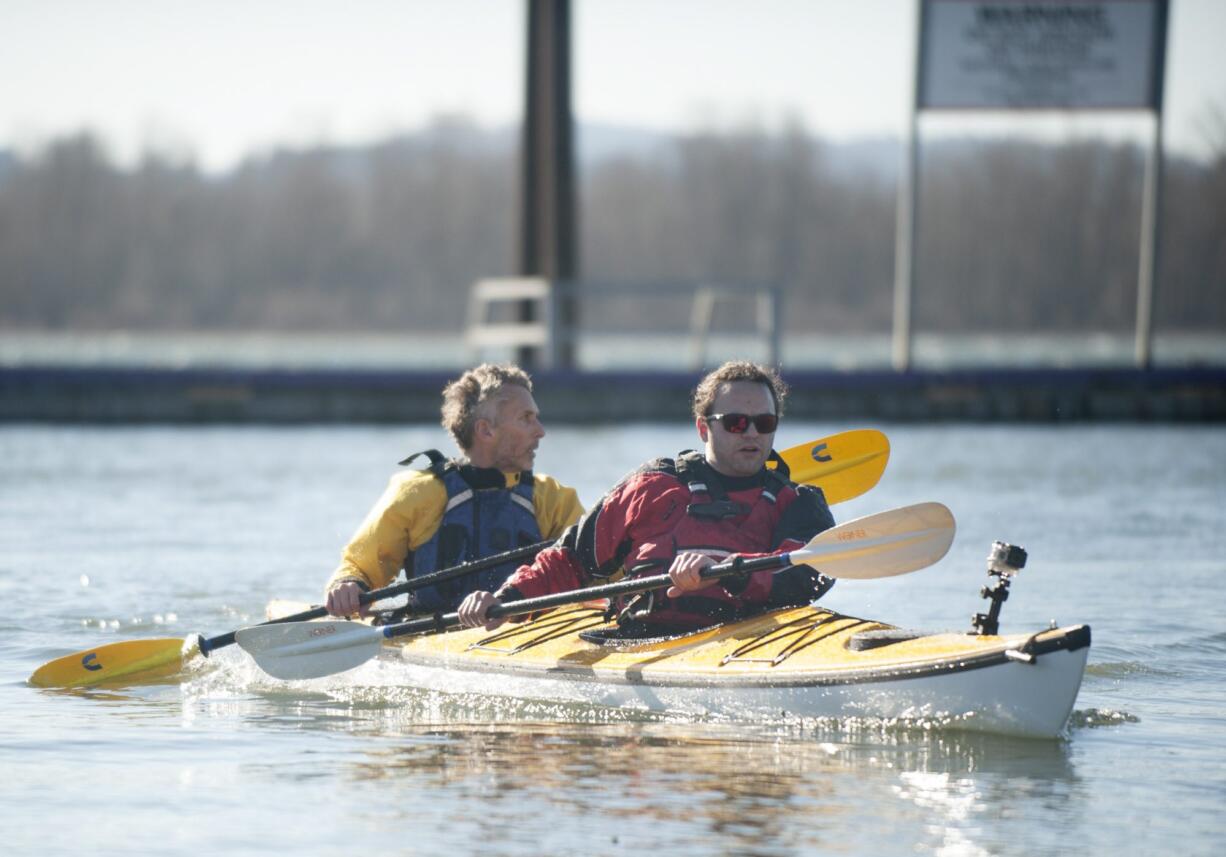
[1041,54]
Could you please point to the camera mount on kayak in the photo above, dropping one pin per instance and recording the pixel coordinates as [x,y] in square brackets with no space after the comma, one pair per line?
[1003,563]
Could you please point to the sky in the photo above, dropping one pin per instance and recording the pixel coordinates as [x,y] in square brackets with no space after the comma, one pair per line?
[220,80]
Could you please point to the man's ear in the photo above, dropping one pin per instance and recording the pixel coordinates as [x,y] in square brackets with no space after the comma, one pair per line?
[702,427]
[483,428]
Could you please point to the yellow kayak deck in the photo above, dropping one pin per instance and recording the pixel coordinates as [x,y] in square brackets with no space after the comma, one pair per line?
[803,645]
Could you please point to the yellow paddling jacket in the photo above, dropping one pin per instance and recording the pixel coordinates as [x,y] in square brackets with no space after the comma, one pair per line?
[410,511]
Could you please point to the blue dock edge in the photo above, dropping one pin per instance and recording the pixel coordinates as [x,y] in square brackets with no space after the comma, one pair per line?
[56,394]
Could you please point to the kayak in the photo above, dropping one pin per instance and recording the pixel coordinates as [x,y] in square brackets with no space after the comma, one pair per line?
[806,662]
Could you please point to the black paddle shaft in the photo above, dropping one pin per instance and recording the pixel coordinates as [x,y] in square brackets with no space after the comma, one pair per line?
[525,552]
[443,621]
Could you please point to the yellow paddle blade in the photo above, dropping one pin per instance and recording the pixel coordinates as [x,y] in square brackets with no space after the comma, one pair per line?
[843,465]
[150,659]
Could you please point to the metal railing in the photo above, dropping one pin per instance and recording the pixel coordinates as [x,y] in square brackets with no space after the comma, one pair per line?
[493,315]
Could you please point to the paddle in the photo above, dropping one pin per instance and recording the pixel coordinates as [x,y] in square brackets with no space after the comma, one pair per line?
[163,656]
[844,466]
[882,545]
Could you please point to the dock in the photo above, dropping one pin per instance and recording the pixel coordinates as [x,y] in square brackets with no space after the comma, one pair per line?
[108,394]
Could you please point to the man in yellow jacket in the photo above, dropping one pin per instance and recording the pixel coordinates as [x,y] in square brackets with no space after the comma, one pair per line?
[484,503]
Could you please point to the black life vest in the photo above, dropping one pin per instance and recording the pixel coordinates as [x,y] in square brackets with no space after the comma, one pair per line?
[483,517]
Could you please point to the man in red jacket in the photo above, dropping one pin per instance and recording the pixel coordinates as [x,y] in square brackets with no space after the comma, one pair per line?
[688,513]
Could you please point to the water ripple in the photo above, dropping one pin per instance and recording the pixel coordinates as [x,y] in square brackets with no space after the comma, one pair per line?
[1127,669]
[1094,718]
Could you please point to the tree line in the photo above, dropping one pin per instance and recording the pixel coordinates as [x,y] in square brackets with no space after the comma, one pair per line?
[1013,235]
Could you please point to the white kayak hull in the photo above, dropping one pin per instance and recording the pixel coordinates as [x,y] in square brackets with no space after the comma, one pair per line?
[1021,685]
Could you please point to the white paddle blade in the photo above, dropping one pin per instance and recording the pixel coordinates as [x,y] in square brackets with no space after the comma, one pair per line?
[296,650]
[882,545]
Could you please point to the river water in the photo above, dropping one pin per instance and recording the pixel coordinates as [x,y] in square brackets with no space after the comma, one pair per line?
[116,533]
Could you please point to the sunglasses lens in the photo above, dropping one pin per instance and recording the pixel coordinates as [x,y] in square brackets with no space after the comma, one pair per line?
[739,423]
[734,423]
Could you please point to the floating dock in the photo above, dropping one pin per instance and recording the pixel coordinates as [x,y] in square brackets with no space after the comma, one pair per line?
[285,396]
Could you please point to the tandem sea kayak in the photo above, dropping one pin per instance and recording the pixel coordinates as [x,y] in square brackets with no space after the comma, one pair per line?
[805,662]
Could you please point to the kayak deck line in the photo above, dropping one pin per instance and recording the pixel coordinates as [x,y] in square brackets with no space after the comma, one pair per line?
[801,628]
[553,626]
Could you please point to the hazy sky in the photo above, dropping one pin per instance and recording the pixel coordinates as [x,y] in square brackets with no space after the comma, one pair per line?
[219,79]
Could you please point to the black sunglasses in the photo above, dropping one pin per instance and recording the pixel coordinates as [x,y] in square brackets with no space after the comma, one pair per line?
[739,423]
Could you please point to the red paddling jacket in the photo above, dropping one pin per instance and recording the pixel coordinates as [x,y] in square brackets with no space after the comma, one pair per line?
[674,505]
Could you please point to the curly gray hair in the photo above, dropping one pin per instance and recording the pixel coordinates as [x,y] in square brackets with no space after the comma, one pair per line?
[463,398]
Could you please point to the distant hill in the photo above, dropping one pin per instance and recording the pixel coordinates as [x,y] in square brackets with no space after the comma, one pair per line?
[597,142]
[1016,234]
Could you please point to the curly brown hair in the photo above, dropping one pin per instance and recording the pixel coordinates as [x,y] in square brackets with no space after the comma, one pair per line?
[463,397]
[738,370]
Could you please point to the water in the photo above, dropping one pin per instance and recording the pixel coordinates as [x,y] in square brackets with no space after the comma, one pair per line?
[110,534]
